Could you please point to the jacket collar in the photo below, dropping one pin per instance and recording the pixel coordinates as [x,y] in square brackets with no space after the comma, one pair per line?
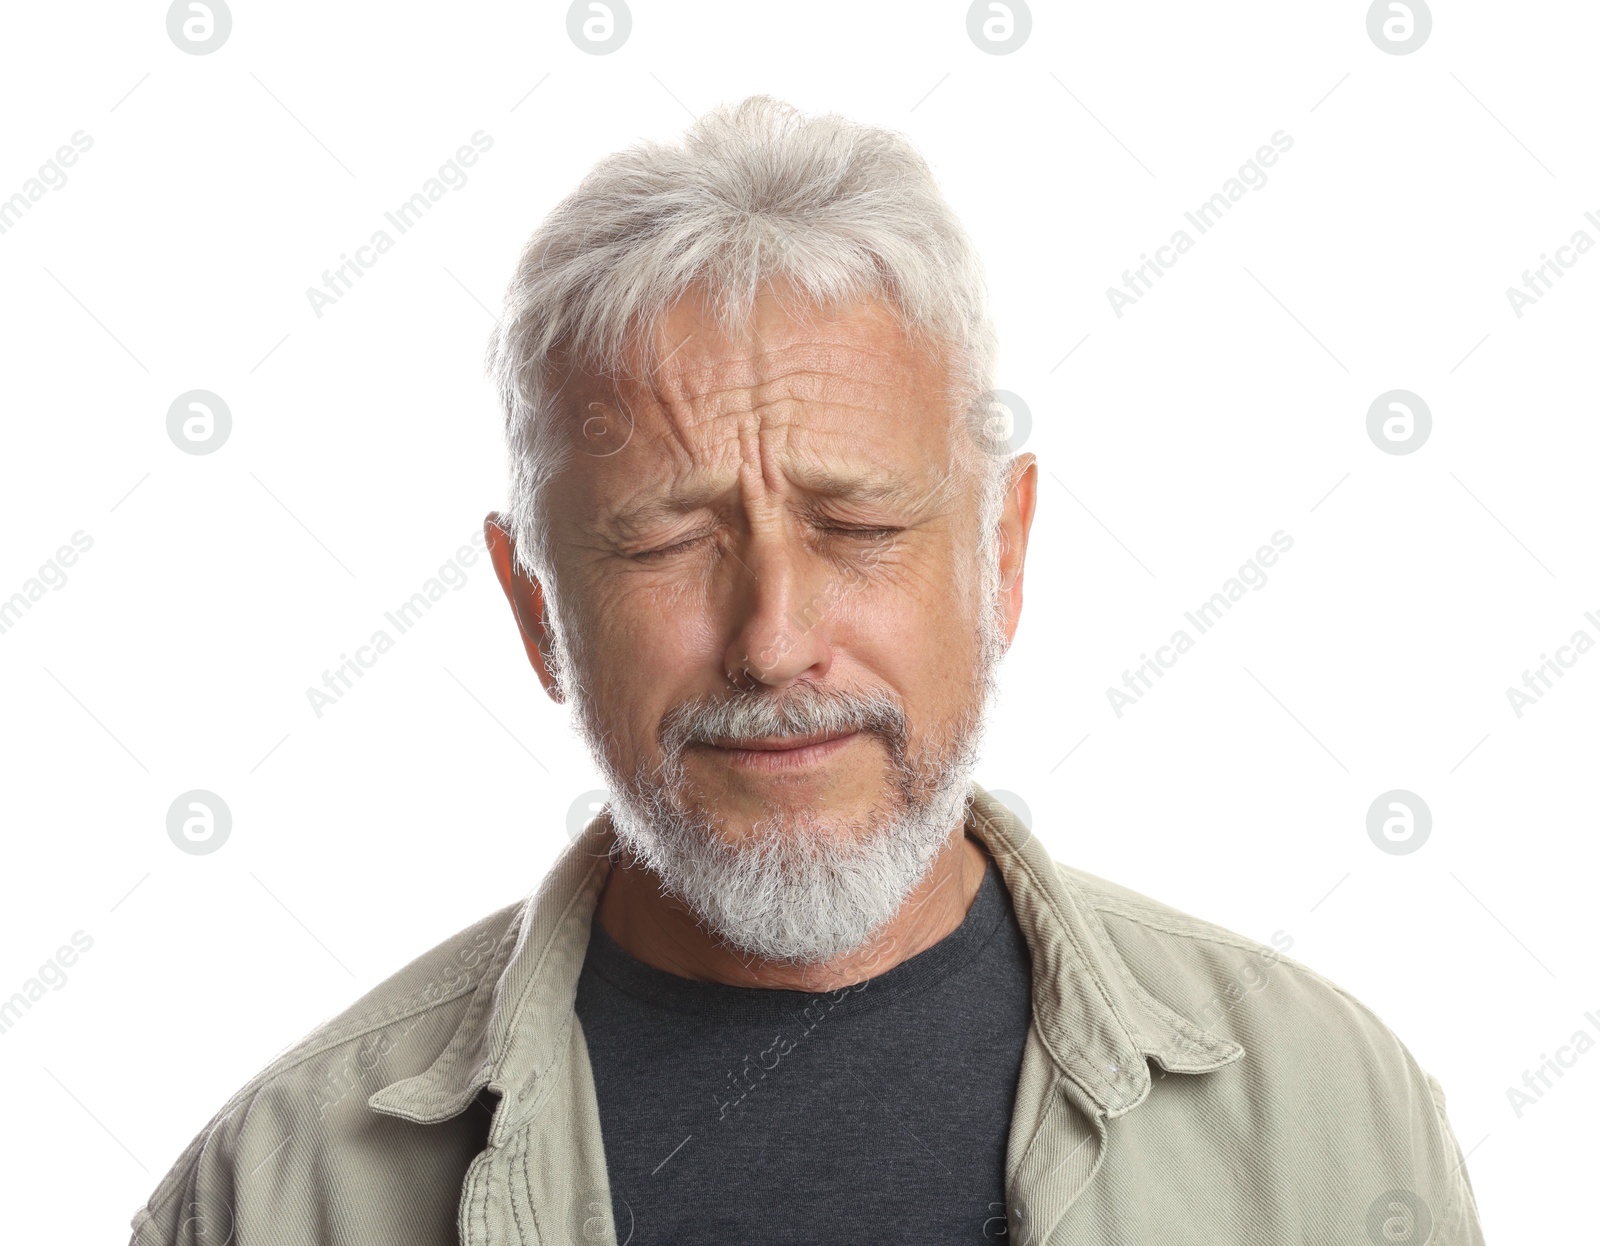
[1098,1024]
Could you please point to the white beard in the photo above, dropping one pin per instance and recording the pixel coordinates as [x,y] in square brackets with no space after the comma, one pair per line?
[801,887]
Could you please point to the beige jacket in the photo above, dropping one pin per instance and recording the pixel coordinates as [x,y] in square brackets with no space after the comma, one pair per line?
[1180,1084]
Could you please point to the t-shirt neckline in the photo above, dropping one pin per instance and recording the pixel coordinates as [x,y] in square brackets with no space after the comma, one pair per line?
[717,1000]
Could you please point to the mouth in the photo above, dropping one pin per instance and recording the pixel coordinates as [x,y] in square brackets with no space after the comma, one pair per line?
[773,753]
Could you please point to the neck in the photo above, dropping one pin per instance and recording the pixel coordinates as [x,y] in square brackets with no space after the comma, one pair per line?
[657,928]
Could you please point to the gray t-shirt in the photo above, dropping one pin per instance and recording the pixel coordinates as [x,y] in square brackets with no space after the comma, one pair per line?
[878,1112]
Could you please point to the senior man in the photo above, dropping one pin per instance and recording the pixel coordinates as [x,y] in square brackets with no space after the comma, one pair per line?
[802,980]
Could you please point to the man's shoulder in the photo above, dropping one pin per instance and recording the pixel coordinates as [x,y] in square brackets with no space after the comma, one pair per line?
[316,1089]
[1312,1052]
[1137,919]
[1280,1010]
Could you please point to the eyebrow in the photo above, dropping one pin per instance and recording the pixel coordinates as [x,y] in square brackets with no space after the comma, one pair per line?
[870,488]
[629,519]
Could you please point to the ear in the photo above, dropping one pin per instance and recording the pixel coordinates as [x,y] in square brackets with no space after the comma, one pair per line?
[526,596]
[1016,520]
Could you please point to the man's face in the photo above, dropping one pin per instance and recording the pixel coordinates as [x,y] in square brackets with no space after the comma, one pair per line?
[782,508]
[765,574]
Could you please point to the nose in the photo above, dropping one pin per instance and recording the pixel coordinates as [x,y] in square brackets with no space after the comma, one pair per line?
[784,614]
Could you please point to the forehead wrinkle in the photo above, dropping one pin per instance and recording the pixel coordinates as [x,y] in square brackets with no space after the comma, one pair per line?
[740,410]
[751,414]
[803,371]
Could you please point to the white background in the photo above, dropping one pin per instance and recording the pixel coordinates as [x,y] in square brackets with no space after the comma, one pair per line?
[1174,441]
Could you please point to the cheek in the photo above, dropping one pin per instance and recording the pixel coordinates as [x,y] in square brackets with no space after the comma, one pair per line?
[919,634]
[653,632]
[921,652]
[925,604]
[642,652]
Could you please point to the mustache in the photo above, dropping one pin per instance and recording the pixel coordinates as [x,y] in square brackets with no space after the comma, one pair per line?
[804,709]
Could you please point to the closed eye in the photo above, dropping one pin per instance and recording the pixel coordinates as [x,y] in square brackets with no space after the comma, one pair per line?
[678,547]
[874,533]
[652,555]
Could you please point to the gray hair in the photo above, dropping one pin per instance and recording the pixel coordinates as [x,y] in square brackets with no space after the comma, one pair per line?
[755,192]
